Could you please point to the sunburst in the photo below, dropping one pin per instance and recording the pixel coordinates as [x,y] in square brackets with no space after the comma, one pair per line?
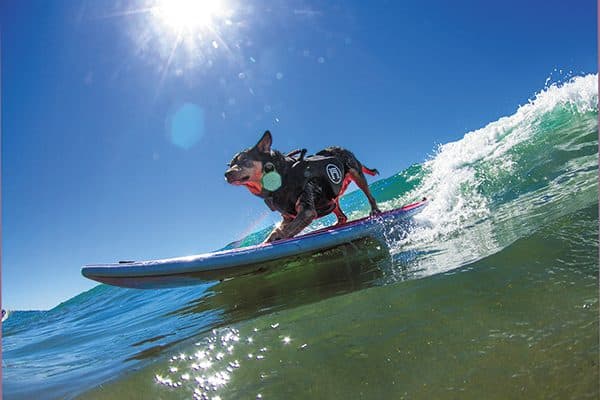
[189,16]
[181,35]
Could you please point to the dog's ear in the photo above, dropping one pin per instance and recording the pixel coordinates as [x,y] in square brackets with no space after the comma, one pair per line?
[264,144]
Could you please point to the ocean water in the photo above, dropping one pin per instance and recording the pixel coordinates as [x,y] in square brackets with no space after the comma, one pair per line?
[493,294]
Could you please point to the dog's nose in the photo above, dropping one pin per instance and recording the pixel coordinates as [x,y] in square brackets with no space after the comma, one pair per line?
[231,170]
[229,173]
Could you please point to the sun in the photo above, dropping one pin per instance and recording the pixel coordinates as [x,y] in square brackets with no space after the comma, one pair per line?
[178,36]
[189,15]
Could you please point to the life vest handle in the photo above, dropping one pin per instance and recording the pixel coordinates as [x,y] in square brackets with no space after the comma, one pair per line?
[295,152]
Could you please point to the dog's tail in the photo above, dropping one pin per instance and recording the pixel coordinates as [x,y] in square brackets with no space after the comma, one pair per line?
[370,171]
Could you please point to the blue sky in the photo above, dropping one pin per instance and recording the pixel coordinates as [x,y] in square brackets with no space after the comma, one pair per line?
[115,133]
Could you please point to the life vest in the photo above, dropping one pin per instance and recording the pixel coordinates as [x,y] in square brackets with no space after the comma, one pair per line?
[325,174]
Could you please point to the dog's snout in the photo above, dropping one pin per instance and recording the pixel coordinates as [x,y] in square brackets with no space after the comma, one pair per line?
[230,171]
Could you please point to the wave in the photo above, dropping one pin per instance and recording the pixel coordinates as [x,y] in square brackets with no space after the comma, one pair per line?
[507,179]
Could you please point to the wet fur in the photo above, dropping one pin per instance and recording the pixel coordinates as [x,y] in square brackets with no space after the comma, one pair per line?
[247,167]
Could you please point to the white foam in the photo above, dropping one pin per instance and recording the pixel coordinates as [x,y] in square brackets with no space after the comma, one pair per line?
[451,180]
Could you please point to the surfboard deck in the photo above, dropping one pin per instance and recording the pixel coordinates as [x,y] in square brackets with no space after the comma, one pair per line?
[218,265]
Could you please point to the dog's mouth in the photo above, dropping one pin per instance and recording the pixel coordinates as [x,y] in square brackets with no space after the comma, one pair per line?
[238,181]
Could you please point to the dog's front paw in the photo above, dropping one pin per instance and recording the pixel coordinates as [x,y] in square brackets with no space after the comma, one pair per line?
[269,240]
[273,237]
[375,211]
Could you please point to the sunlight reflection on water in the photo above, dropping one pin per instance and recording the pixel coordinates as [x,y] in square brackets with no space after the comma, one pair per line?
[206,372]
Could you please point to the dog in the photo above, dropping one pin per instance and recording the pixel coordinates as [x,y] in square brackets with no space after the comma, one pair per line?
[301,189]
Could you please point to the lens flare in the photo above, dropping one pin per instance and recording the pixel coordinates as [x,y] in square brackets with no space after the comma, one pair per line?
[186,126]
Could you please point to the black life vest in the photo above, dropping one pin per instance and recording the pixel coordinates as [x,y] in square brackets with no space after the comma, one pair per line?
[324,174]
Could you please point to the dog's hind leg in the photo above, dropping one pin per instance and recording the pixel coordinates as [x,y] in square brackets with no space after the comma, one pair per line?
[359,178]
[341,217]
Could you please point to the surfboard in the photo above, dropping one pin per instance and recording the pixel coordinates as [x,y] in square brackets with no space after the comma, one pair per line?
[223,264]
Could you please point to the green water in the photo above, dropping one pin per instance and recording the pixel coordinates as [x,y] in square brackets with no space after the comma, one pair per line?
[522,323]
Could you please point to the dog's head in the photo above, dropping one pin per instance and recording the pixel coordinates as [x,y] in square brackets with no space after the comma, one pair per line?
[248,166]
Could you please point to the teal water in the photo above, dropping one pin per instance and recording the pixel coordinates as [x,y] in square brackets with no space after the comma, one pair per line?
[493,294]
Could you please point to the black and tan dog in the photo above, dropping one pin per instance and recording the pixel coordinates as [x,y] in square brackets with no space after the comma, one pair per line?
[300,188]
